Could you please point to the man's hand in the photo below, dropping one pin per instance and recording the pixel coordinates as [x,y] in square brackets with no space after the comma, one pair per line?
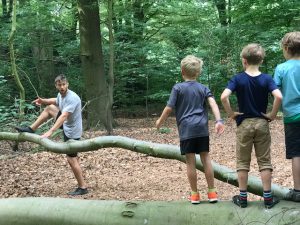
[38,101]
[47,134]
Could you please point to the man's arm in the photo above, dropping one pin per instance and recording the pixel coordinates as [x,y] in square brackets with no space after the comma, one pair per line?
[61,119]
[219,127]
[226,104]
[276,104]
[45,101]
[166,112]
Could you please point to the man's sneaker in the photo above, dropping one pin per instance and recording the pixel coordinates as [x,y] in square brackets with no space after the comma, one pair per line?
[292,195]
[78,191]
[24,129]
[212,197]
[194,198]
[241,203]
[270,204]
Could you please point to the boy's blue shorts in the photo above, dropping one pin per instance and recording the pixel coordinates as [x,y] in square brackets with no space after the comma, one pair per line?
[195,145]
[292,139]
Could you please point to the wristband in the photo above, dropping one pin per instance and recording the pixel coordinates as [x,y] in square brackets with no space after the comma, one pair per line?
[220,121]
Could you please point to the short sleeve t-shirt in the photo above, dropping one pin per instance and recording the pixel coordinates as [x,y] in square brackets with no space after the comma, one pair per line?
[189,101]
[71,103]
[287,78]
[252,94]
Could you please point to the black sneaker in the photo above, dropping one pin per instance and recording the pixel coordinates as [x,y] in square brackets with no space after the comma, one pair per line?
[270,204]
[292,195]
[24,129]
[78,191]
[241,203]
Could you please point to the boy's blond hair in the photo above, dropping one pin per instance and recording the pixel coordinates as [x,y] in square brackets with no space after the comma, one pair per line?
[253,53]
[192,66]
[291,42]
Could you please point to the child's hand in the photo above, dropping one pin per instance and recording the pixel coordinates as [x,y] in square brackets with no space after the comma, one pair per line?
[233,115]
[158,124]
[269,116]
[219,127]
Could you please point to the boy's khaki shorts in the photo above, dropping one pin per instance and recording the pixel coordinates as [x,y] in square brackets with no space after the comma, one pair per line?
[253,131]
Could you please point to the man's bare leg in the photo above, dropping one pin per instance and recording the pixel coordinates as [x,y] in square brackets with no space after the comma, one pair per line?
[50,111]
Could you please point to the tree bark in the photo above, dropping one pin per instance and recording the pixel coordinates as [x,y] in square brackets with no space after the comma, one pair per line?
[93,65]
[222,173]
[42,50]
[111,76]
[52,211]
[13,59]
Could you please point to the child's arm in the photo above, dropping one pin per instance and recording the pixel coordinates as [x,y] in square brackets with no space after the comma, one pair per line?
[219,127]
[163,117]
[276,104]
[225,101]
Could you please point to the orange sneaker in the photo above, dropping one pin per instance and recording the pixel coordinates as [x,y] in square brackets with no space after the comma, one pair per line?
[195,198]
[212,197]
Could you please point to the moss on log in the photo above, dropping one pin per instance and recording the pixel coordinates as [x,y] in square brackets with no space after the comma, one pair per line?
[60,211]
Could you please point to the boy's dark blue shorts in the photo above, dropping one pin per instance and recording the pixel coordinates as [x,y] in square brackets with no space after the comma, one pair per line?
[292,139]
[195,145]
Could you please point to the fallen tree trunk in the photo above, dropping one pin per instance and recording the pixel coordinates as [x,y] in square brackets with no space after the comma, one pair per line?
[52,211]
[152,149]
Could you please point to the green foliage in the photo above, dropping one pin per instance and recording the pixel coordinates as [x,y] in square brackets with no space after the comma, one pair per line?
[164,130]
[150,39]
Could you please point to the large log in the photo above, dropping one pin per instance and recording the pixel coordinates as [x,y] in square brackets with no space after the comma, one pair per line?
[152,149]
[59,211]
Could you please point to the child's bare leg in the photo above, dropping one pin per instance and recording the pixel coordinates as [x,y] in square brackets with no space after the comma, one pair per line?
[191,170]
[243,179]
[48,112]
[296,172]
[266,176]
[208,169]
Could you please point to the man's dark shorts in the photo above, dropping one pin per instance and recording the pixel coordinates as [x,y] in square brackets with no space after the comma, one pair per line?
[65,137]
[292,139]
[195,145]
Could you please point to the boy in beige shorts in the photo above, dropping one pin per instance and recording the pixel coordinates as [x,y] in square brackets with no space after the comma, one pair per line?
[252,89]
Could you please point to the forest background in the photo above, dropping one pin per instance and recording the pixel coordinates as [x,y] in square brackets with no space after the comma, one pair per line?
[122,57]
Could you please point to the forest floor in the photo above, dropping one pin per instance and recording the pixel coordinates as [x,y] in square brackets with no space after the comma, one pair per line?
[114,173]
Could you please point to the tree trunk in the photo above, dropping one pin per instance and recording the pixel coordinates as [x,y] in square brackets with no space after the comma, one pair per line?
[52,211]
[152,149]
[13,59]
[42,51]
[111,77]
[222,11]
[93,65]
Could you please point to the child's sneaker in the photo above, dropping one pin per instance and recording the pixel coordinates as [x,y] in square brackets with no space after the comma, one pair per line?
[241,203]
[212,197]
[270,204]
[194,198]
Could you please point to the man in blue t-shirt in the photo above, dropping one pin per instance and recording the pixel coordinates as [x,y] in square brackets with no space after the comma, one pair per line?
[66,110]
[252,89]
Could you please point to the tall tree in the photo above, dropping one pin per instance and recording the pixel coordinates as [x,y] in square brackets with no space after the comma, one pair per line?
[93,65]
[13,59]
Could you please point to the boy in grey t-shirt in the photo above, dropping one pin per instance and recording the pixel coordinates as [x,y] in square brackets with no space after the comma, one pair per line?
[189,101]
[66,110]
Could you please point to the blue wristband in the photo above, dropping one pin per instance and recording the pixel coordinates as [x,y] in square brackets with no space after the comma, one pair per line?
[220,121]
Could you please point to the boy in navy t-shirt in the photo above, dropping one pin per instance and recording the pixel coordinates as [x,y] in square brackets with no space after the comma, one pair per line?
[189,101]
[252,89]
